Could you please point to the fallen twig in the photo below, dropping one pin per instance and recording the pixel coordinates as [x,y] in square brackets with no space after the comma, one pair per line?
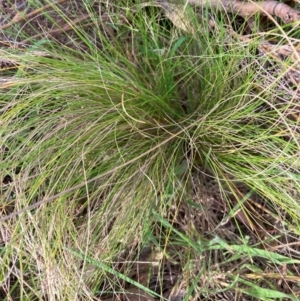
[21,16]
[248,9]
[65,28]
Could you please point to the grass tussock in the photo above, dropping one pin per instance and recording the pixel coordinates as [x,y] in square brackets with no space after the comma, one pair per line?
[143,136]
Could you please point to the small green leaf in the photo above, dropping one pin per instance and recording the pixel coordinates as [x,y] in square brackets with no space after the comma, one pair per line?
[267,294]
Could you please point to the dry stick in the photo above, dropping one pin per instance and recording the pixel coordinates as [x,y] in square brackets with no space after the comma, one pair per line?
[248,9]
[20,15]
[67,27]
[59,30]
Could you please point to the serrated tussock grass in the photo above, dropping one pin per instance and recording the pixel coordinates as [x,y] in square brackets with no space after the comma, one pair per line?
[114,132]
